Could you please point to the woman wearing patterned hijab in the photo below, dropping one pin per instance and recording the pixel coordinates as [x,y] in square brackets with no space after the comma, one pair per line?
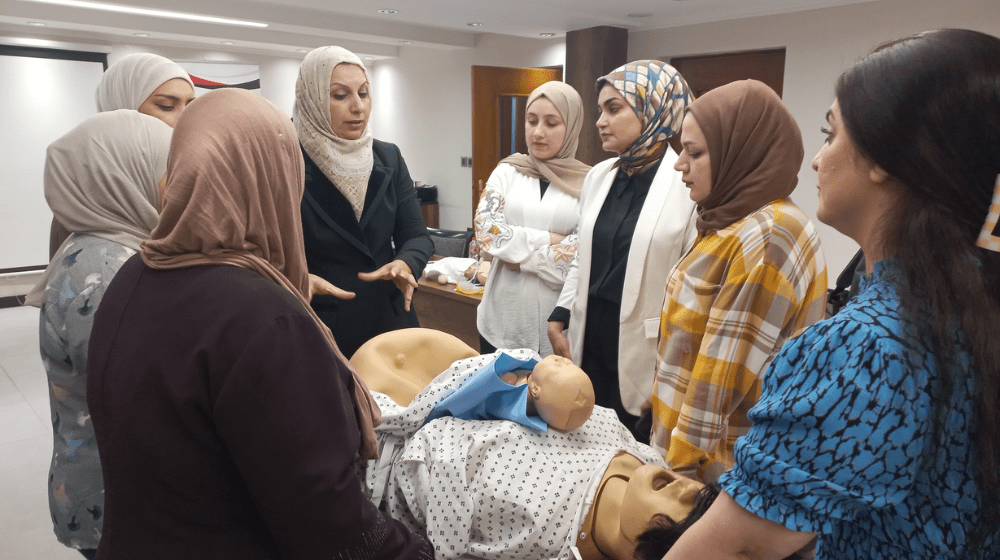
[363,229]
[101,181]
[228,421]
[527,226]
[755,278]
[636,221]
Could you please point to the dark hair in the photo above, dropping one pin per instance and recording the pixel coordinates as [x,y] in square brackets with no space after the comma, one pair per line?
[926,109]
[654,542]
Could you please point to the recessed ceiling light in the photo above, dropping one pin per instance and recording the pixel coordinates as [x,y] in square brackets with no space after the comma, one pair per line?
[637,15]
[388,11]
[368,57]
[405,42]
[141,34]
[228,43]
[304,50]
[475,24]
[36,23]
[547,34]
[148,12]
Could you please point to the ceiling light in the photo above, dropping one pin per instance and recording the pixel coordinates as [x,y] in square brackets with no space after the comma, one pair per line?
[405,42]
[150,12]
[368,57]
[141,34]
[547,34]
[36,23]
[388,11]
[304,50]
[228,43]
[475,24]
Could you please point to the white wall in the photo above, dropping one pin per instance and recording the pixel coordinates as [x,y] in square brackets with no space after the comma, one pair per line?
[819,45]
[422,101]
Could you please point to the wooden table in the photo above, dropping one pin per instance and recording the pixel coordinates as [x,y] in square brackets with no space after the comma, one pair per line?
[440,307]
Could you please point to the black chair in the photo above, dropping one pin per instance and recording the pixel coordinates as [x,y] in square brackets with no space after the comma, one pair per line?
[451,242]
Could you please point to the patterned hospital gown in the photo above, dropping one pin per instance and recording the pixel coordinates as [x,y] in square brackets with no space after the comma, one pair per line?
[837,447]
[76,487]
[491,489]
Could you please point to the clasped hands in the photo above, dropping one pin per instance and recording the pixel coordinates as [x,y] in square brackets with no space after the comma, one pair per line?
[397,271]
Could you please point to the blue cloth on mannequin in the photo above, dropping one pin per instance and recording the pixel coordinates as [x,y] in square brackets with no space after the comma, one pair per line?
[487,397]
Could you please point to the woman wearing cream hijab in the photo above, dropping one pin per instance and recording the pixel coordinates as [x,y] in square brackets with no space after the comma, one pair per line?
[144,82]
[228,421]
[361,219]
[525,219]
[148,83]
[100,180]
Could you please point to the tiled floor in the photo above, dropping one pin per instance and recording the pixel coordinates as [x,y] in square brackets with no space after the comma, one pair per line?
[25,443]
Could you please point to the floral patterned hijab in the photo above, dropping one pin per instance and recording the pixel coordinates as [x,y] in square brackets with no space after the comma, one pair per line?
[659,95]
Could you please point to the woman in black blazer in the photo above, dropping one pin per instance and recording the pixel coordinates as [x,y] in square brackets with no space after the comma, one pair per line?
[361,220]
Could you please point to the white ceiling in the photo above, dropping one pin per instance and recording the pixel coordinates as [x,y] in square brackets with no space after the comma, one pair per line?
[296,26]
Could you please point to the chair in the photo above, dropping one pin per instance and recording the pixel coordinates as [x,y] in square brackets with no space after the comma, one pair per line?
[450,242]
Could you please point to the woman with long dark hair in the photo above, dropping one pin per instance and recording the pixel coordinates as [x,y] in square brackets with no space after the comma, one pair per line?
[878,429]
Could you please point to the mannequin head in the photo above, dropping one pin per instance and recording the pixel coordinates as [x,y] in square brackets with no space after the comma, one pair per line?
[401,363]
[561,393]
[633,497]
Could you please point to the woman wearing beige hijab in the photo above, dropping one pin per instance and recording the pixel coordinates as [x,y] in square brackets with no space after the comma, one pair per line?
[144,82]
[100,180]
[525,220]
[361,220]
[228,421]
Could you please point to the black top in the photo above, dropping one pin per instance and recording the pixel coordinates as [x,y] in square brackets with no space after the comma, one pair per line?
[226,425]
[339,246]
[613,233]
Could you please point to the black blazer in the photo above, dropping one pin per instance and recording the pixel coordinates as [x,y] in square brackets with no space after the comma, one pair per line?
[338,247]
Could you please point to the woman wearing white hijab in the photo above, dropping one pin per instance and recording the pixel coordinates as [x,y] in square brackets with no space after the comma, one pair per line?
[525,219]
[149,83]
[360,215]
[144,82]
[101,181]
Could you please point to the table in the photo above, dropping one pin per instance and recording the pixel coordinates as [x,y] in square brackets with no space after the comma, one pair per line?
[440,307]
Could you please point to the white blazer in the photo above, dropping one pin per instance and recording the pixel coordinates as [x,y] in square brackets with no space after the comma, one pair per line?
[664,233]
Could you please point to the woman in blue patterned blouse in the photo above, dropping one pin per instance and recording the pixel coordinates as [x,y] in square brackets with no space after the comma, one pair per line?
[877,433]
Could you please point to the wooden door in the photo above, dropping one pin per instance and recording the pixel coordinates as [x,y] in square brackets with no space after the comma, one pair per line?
[495,90]
[706,72]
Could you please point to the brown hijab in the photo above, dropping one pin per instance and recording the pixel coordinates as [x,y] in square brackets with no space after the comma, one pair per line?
[755,147]
[235,178]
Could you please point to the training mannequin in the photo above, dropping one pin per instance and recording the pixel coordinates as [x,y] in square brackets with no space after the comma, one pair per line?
[605,486]
[403,362]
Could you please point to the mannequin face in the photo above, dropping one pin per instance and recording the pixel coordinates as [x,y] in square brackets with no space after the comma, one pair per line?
[561,393]
[694,161]
[350,101]
[544,129]
[167,101]
[618,125]
[628,503]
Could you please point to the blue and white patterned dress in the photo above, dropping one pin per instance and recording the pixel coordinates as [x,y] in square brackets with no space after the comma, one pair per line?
[839,436]
[76,487]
